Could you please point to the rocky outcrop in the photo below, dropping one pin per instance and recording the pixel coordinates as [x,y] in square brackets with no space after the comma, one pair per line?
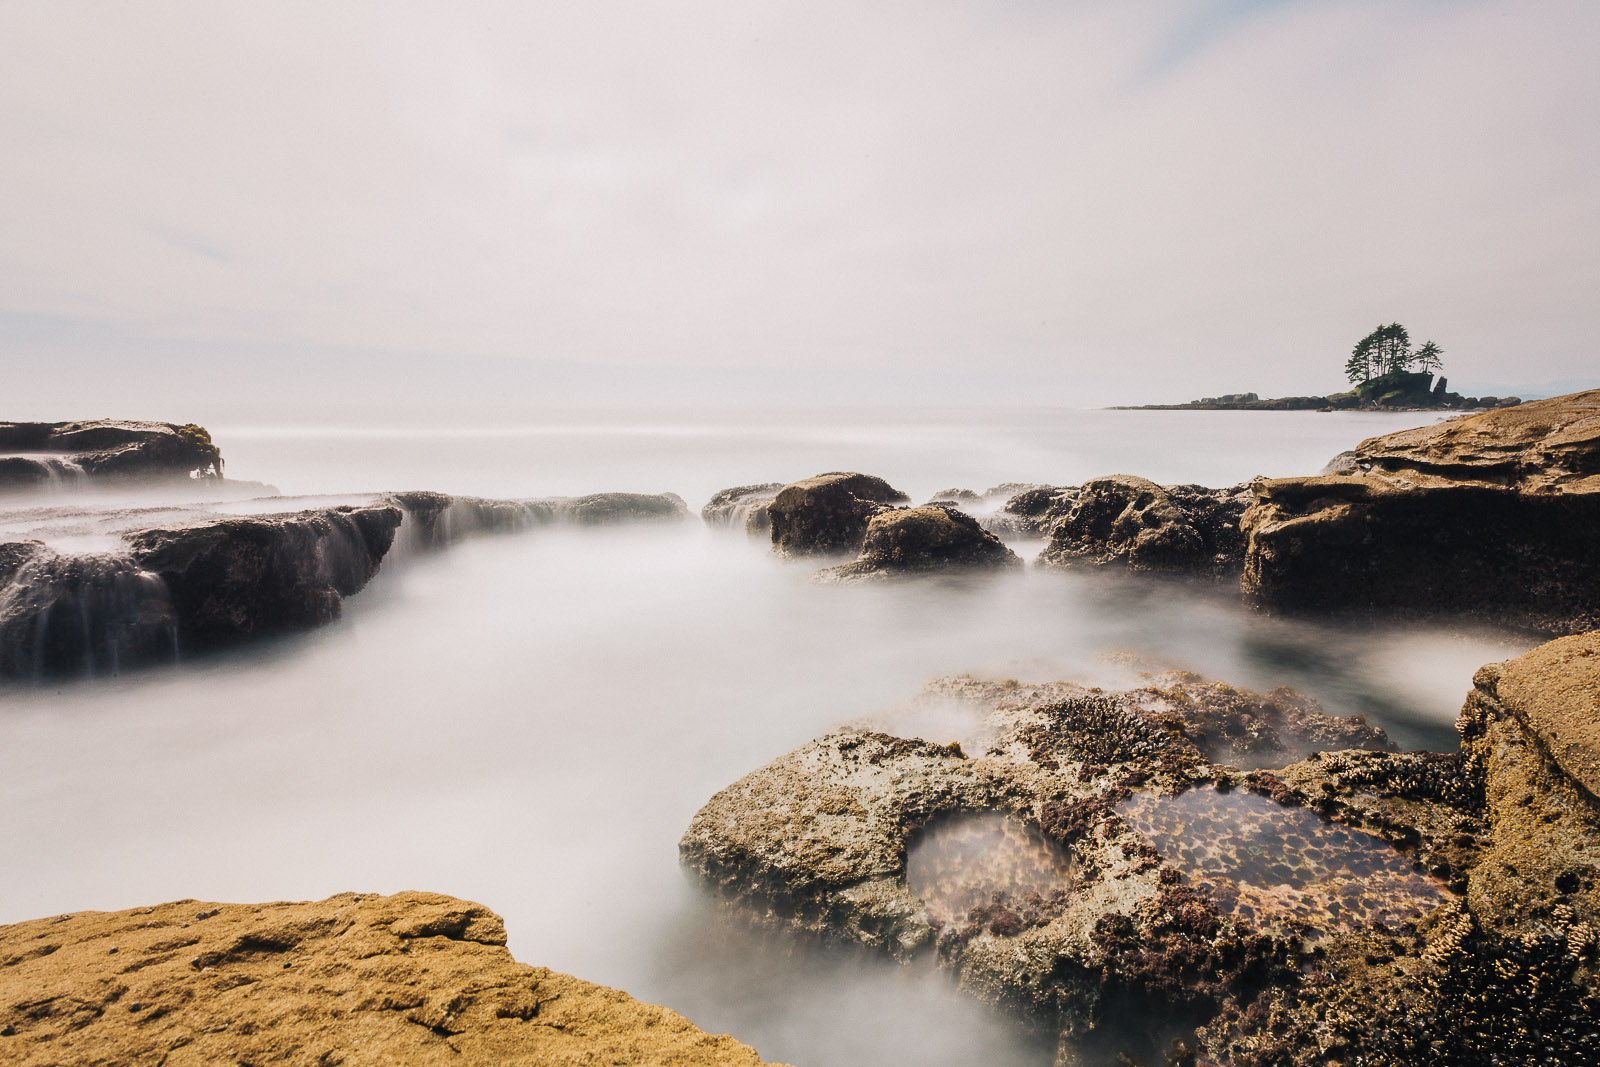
[1130,522]
[828,514]
[414,978]
[921,540]
[1032,511]
[604,509]
[744,507]
[1089,856]
[104,450]
[434,520]
[1024,860]
[1490,515]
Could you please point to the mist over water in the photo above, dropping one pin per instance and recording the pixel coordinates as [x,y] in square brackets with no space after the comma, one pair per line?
[532,720]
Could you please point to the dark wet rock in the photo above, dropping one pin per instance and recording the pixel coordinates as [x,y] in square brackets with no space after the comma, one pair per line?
[920,540]
[1130,522]
[828,514]
[433,520]
[418,979]
[603,509]
[104,450]
[1032,510]
[1488,515]
[831,837]
[743,507]
[237,578]
[80,614]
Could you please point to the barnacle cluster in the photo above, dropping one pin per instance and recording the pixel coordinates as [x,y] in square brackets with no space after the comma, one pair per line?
[1441,776]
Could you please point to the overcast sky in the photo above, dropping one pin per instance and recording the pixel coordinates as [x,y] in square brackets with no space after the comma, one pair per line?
[213,205]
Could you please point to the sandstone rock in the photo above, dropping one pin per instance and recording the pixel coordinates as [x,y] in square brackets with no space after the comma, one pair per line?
[105,450]
[1131,522]
[743,507]
[827,515]
[1488,515]
[919,540]
[414,978]
[601,509]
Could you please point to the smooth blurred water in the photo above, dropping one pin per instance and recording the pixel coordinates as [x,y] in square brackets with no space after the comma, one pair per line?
[532,720]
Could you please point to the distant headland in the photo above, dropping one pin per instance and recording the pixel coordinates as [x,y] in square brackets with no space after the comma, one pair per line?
[1386,373]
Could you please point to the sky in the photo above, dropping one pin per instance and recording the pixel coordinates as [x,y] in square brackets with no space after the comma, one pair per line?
[217,207]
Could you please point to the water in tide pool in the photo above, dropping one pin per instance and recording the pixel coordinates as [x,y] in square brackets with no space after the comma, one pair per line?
[531,721]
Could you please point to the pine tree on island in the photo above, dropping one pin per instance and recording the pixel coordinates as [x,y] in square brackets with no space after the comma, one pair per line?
[1385,369]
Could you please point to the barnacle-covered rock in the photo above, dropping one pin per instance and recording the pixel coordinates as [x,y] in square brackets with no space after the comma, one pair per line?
[1131,522]
[919,540]
[828,514]
[104,450]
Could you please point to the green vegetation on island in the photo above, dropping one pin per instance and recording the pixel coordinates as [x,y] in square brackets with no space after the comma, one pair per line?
[1386,373]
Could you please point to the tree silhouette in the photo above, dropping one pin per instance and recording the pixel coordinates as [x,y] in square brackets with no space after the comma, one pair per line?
[1387,350]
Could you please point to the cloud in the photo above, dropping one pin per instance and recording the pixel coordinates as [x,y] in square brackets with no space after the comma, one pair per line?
[1106,201]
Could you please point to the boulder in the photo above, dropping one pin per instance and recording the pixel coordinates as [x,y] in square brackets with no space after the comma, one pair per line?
[962,498]
[920,540]
[1130,522]
[743,507]
[1489,515]
[104,450]
[1028,861]
[828,514]
[237,578]
[414,978]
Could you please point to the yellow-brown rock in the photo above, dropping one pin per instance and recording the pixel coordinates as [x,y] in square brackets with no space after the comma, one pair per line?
[413,979]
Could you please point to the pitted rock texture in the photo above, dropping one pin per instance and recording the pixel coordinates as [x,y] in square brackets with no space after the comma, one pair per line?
[819,840]
[920,540]
[414,978]
[744,507]
[104,450]
[1488,515]
[1032,510]
[1131,522]
[828,514]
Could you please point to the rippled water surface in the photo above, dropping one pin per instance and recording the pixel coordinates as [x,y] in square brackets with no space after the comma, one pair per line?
[532,720]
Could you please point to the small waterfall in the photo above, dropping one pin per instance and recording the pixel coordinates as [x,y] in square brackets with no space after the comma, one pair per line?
[83,616]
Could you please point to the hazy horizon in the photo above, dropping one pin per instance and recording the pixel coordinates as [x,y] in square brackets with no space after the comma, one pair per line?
[218,209]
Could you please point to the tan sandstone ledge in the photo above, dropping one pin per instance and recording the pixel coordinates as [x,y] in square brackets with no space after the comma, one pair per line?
[414,978]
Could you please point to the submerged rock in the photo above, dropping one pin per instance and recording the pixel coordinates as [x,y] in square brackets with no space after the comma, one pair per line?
[1131,522]
[828,514]
[602,509]
[104,450]
[1490,515]
[920,540]
[414,978]
[1032,510]
[433,520]
[744,507]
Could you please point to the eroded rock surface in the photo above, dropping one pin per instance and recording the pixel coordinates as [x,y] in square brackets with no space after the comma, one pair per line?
[1491,515]
[1131,522]
[920,540]
[604,509]
[1353,905]
[103,450]
[1032,510]
[828,514]
[414,978]
[744,507]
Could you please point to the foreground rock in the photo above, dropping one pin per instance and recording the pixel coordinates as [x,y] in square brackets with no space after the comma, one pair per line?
[1089,857]
[415,978]
[922,540]
[1131,522]
[828,514]
[744,507]
[1491,515]
[104,450]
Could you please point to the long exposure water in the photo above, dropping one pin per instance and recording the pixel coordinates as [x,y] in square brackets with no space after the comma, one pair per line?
[531,720]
